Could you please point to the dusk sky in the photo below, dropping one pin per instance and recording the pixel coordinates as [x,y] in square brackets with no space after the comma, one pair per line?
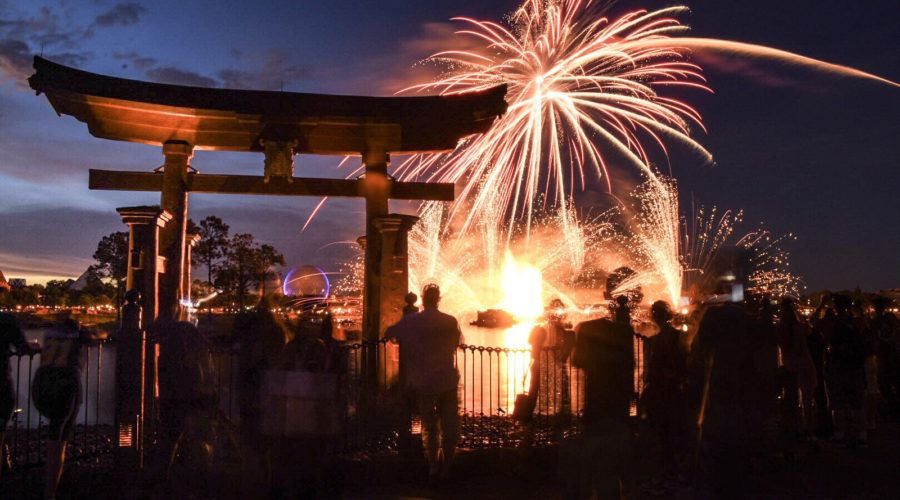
[804,152]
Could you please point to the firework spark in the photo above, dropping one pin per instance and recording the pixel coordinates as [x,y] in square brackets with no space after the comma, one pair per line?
[585,91]
[578,82]
[680,253]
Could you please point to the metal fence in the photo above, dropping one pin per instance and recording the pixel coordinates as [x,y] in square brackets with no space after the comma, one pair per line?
[378,413]
[27,432]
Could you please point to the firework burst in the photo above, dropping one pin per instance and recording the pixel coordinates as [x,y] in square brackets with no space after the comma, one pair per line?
[676,253]
[578,83]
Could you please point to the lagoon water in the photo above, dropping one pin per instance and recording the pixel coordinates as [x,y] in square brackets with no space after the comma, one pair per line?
[98,378]
[491,379]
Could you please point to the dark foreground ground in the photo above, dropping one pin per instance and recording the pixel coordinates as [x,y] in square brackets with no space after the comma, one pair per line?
[814,471]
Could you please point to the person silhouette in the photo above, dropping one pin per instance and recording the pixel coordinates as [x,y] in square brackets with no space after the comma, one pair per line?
[846,371]
[56,391]
[430,339]
[604,350]
[11,336]
[410,307]
[665,374]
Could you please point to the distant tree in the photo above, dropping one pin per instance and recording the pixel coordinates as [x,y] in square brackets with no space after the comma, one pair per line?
[246,264]
[112,261]
[56,293]
[267,257]
[29,295]
[212,246]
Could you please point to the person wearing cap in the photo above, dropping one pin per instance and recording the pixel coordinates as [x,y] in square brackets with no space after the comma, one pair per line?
[428,341]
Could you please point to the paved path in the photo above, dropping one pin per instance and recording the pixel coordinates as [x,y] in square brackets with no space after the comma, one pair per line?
[816,471]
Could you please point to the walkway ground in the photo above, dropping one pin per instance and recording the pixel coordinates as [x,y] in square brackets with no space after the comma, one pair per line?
[816,471]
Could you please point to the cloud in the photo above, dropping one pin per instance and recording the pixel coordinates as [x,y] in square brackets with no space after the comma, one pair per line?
[15,61]
[56,242]
[55,35]
[138,61]
[391,71]
[52,266]
[171,74]
[266,70]
[123,14]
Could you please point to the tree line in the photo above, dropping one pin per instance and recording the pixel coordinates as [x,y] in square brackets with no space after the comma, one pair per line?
[237,266]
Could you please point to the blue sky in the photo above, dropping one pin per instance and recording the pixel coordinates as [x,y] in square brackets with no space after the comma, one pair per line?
[806,153]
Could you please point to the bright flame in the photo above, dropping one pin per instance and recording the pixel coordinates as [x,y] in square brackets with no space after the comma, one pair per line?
[516,337]
[521,284]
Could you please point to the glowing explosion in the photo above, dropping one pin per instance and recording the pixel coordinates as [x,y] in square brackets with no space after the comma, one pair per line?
[583,90]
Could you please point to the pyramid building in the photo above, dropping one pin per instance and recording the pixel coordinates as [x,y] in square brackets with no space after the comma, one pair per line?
[3,283]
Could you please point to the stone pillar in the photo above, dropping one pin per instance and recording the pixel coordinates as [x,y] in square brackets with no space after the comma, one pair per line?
[174,200]
[394,283]
[144,264]
[191,240]
[376,187]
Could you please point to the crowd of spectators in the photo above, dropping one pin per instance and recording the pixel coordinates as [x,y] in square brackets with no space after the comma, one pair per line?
[757,379]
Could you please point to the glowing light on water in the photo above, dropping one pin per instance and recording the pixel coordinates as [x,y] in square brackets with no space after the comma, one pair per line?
[521,284]
[516,337]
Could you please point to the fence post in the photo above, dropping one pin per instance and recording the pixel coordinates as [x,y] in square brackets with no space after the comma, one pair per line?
[130,384]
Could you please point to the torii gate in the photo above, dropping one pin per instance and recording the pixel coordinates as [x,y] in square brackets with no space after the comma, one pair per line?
[280,124]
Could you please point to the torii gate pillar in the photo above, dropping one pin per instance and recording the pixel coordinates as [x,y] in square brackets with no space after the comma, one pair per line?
[394,282]
[144,264]
[174,200]
[376,187]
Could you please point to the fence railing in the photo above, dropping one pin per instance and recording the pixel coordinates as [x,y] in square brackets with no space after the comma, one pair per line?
[27,432]
[377,411]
